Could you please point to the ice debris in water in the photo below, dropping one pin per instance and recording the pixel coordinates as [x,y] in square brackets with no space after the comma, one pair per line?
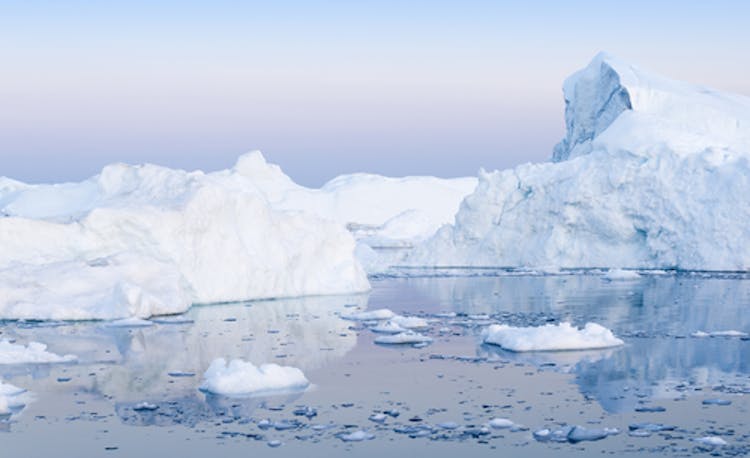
[132,322]
[238,378]
[729,333]
[145,407]
[573,434]
[500,423]
[356,436]
[11,399]
[713,441]
[410,322]
[717,402]
[550,337]
[33,353]
[620,275]
[370,315]
[403,338]
[389,327]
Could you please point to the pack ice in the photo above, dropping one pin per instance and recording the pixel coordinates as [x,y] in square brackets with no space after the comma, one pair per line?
[652,173]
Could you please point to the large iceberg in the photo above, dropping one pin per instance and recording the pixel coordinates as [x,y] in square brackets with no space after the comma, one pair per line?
[652,173]
[147,240]
[137,241]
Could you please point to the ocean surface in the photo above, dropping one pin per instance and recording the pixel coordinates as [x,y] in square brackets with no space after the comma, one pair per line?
[671,384]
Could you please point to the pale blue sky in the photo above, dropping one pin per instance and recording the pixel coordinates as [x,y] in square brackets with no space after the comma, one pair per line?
[322,88]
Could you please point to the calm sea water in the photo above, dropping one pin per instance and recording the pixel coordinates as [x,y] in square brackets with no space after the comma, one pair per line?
[662,375]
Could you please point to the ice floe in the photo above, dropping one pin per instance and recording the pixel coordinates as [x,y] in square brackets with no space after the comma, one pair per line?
[403,338]
[241,378]
[32,353]
[550,337]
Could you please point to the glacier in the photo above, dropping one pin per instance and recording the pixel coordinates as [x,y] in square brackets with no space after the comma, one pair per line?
[144,240]
[652,174]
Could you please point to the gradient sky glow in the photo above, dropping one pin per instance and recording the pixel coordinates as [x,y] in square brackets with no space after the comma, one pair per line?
[326,87]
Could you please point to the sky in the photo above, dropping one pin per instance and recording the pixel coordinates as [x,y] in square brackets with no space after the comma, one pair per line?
[326,87]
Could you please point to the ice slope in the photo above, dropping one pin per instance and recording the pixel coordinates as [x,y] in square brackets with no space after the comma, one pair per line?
[147,240]
[652,174]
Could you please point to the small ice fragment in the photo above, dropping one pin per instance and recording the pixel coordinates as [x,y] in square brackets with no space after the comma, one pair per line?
[389,327]
[717,402]
[305,411]
[650,409]
[713,441]
[370,315]
[145,406]
[378,417]
[356,436]
[620,275]
[580,434]
[500,423]
[408,337]
[410,322]
[448,425]
[274,443]
[132,322]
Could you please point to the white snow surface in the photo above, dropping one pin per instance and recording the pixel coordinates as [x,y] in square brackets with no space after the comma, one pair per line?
[32,353]
[652,173]
[550,337]
[241,378]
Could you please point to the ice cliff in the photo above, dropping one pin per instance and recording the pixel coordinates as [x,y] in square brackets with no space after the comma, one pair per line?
[652,173]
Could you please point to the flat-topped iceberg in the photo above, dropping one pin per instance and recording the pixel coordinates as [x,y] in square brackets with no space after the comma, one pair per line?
[241,378]
[651,174]
[550,337]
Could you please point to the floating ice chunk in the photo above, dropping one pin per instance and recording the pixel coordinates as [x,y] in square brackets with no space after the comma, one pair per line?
[408,337]
[11,399]
[239,378]
[580,434]
[6,389]
[370,315]
[713,441]
[729,333]
[33,353]
[274,443]
[620,275]
[389,327]
[500,423]
[356,436]
[450,425]
[551,337]
[132,322]
[410,322]
[145,407]
[378,417]
[717,402]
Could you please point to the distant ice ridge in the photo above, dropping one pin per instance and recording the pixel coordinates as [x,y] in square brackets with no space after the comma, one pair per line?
[33,353]
[550,337]
[241,378]
[652,173]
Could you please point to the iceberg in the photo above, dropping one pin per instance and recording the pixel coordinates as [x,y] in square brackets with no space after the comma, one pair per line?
[33,353]
[652,173]
[241,378]
[550,337]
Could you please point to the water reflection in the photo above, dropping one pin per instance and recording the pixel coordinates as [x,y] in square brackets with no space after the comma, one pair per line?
[655,315]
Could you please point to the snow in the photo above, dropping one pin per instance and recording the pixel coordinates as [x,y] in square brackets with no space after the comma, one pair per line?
[550,337]
[403,338]
[241,378]
[652,174]
[32,353]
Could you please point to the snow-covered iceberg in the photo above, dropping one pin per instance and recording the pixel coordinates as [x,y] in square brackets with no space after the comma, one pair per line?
[147,240]
[652,173]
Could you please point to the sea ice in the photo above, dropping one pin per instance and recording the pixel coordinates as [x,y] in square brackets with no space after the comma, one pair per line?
[550,337]
[32,353]
[389,327]
[620,275]
[403,338]
[370,315]
[713,441]
[410,322]
[356,436]
[240,378]
[500,423]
